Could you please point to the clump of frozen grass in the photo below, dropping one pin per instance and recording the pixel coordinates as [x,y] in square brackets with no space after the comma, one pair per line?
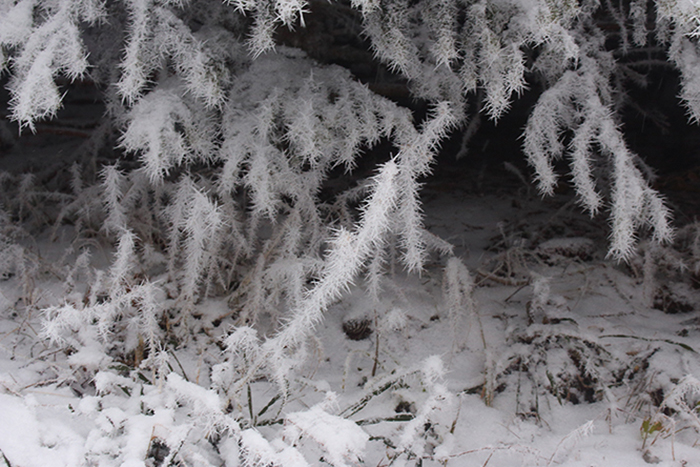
[557,361]
[434,420]
[670,273]
[122,325]
[677,412]
[684,400]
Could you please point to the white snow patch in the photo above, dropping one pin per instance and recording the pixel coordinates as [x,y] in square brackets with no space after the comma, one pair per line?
[27,441]
[341,439]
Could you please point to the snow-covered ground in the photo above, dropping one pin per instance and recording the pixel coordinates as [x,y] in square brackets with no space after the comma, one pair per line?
[562,359]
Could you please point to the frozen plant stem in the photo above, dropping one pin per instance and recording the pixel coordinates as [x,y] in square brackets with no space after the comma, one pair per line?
[376,345]
[348,252]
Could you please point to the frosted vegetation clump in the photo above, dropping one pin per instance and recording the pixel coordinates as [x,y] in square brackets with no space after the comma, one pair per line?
[229,139]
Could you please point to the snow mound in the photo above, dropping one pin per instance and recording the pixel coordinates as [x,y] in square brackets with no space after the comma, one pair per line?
[342,440]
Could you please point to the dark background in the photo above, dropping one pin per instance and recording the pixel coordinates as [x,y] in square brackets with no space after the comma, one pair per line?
[654,124]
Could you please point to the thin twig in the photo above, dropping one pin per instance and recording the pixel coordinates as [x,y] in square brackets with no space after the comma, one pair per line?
[502,280]
[4,457]
[184,375]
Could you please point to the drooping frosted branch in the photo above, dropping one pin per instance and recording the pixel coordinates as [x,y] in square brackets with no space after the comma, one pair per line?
[575,103]
[347,253]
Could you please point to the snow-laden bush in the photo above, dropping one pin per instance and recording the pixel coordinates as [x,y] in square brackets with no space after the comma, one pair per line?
[236,139]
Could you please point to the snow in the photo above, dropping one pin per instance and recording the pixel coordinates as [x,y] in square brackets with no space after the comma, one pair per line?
[31,441]
[461,405]
[266,453]
[341,439]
